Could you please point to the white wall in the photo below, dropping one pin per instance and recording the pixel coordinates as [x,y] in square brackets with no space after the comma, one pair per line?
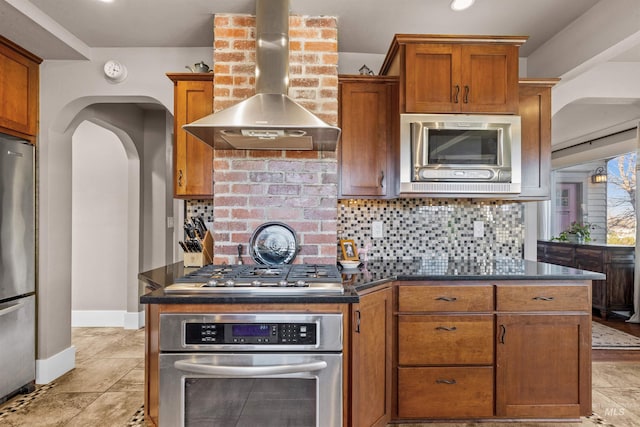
[67,88]
[99,220]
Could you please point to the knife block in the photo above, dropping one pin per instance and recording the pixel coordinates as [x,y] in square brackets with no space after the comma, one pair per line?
[200,259]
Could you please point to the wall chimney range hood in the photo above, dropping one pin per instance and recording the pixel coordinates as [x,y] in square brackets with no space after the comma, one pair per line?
[269,120]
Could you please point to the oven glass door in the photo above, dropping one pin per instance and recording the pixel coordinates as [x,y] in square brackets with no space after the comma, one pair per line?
[250,389]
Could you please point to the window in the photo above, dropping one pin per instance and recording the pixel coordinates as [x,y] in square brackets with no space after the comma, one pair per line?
[621,199]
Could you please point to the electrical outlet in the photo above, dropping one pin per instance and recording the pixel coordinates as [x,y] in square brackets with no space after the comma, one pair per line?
[478,228]
[377,230]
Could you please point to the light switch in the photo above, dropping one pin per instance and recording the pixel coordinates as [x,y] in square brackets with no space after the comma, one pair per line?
[377,230]
[478,228]
[169,222]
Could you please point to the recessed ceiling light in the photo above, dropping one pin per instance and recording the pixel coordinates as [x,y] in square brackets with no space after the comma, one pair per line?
[106,1]
[461,4]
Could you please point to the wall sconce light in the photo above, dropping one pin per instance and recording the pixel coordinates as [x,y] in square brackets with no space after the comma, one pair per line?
[599,176]
[461,4]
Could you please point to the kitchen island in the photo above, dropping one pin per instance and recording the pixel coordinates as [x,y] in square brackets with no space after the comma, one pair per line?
[427,339]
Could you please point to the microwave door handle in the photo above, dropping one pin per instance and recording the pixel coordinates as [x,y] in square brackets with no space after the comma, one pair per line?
[248,371]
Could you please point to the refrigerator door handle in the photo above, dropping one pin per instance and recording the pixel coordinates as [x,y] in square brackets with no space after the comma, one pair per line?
[11,309]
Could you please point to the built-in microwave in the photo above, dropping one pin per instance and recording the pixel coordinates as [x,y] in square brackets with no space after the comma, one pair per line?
[460,154]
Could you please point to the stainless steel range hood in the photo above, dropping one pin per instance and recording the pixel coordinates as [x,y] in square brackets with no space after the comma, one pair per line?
[269,120]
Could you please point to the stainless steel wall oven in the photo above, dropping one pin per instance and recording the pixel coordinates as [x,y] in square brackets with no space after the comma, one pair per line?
[264,369]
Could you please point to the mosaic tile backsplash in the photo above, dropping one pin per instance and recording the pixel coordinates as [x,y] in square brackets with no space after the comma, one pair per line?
[430,228]
[434,228]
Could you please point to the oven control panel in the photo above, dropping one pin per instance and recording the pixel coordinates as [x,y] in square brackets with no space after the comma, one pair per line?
[251,333]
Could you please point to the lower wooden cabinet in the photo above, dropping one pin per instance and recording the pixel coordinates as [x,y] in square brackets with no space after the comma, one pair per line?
[543,365]
[523,353]
[445,392]
[371,359]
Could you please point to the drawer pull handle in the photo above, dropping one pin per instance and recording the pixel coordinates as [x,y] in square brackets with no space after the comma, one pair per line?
[440,381]
[503,332]
[446,328]
[447,299]
[543,298]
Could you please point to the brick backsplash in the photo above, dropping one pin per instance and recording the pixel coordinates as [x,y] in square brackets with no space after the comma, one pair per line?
[434,228]
[298,188]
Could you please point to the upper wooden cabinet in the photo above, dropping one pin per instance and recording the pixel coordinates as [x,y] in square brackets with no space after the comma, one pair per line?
[192,158]
[535,113]
[455,74]
[368,151]
[19,83]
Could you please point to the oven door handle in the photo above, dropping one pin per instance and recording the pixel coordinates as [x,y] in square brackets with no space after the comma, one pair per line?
[248,371]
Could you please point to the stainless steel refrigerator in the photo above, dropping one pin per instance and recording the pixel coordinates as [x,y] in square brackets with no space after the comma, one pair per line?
[17,267]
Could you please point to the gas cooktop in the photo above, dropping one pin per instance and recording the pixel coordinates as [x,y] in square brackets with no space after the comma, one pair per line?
[261,279]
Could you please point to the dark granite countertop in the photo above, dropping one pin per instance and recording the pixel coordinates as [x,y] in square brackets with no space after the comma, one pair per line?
[595,244]
[370,274]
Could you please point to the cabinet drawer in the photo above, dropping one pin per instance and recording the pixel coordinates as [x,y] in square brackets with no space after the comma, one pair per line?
[445,340]
[543,298]
[462,298]
[447,392]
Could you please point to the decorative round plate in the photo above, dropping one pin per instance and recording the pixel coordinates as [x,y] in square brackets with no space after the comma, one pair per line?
[273,243]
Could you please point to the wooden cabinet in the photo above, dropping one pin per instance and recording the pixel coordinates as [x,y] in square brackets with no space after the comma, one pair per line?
[19,86]
[192,158]
[535,113]
[371,359]
[445,350]
[615,293]
[368,151]
[543,350]
[455,74]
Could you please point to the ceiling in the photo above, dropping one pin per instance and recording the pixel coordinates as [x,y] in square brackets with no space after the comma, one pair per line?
[69,29]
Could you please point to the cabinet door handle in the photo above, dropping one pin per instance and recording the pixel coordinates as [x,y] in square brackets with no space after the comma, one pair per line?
[446,328]
[465,99]
[381,179]
[543,298]
[455,96]
[447,299]
[180,178]
[442,381]
[358,321]
[503,332]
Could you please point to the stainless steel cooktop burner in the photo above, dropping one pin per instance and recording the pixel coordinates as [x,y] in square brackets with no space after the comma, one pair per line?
[261,279]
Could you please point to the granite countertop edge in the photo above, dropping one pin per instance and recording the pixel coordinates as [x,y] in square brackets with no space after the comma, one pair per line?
[156,279]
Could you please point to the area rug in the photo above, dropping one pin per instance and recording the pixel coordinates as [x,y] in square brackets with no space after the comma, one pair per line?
[607,338]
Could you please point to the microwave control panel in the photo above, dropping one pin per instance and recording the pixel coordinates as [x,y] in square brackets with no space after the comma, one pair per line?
[251,333]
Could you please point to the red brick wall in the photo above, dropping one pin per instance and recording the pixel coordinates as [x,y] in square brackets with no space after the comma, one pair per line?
[298,188]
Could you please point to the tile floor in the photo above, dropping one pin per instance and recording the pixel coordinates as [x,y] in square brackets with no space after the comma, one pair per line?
[106,389]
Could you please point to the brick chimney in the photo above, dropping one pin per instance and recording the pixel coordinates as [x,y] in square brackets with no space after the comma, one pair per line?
[298,188]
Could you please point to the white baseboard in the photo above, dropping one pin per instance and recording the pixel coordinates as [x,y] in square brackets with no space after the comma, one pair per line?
[57,365]
[134,320]
[107,318]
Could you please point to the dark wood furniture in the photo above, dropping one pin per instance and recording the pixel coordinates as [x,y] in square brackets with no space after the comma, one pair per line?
[368,150]
[616,262]
[192,158]
[454,73]
[19,91]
